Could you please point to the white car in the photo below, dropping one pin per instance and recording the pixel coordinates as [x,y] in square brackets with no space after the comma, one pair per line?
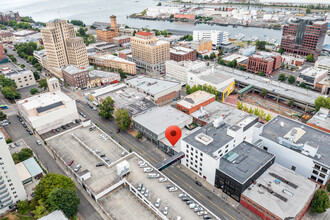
[165,212]
[157,204]
[38,142]
[162,180]
[173,189]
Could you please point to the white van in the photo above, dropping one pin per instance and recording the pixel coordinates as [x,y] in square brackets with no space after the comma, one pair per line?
[148,170]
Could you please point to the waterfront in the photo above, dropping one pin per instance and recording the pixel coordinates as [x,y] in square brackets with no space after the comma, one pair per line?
[100,10]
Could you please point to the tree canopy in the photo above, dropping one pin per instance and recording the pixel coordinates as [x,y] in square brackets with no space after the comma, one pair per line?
[291,79]
[122,118]
[322,102]
[50,182]
[282,77]
[107,107]
[43,84]
[65,200]
[320,202]
[310,58]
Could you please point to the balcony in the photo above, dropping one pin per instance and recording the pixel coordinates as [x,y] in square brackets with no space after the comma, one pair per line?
[4,196]
[3,191]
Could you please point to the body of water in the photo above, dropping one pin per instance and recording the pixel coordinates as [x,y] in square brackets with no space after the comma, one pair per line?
[100,10]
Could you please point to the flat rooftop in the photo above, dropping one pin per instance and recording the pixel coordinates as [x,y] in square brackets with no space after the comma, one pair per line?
[323,60]
[116,202]
[162,118]
[321,119]
[139,106]
[44,100]
[313,72]
[216,138]
[303,134]
[290,91]
[102,74]
[180,50]
[244,161]
[102,92]
[216,78]
[110,57]
[71,69]
[238,57]
[152,86]
[215,110]
[284,199]
[195,99]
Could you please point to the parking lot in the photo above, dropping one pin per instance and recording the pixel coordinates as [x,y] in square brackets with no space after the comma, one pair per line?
[122,204]
[83,142]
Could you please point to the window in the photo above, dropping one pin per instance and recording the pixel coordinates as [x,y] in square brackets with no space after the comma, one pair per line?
[313,177]
[201,154]
[201,159]
[187,151]
[317,166]
[315,172]
[293,168]
[265,148]
[322,175]
[320,181]
[324,170]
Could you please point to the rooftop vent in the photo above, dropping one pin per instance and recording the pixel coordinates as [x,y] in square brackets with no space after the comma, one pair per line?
[204,139]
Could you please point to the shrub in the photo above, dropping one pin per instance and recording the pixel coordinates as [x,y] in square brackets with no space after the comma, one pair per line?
[8,141]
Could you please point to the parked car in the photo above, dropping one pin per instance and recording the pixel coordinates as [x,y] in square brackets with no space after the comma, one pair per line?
[57,130]
[198,183]
[38,142]
[162,180]
[123,153]
[77,121]
[165,212]
[185,199]
[63,127]
[147,170]
[97,151]
[99,164]
[68,125]
[20,119]
[92,128]
[201,213]
[102,155]
[146,194]
[140,187]
[207,217]
[182,195]
[25,126]
[30,132]
[157,203]
[16,144]
[106,159]
[118,130]
[54,131]
[173,189]
[189,202]
[143,190]
[77,168]
[169,186]
[70,163]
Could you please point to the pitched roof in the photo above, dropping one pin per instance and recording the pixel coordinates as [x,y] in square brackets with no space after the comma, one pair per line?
[144,33]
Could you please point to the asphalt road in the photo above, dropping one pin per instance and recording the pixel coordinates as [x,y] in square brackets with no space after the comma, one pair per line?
[16,131]
[155,156]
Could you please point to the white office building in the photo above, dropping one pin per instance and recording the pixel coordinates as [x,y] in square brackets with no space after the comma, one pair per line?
[48,110]
[247,51]
[11,186]
[218,37]
[323,62]
[204,148]
[297,146]
[179,70]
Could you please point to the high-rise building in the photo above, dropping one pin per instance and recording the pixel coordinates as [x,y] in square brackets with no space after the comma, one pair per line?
[62,46]
[265,62]
[107,34]
[217,37]
[148,52]
[304,36]
[11,186]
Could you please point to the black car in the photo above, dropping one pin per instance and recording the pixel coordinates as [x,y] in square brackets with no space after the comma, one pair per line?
[102,155]
[78,120]
[99,164]
[57,130]
[20,119]
[118,130]
[25,126]
[68,125]
[63,126]
[30,132]
[198,183]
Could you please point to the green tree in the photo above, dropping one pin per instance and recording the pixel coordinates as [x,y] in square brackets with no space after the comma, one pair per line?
[36,75]
[206,57]
[242,68]
[40,210]
[261,45]
[322,102]
[107,107]
[34,91]
[303,85]
[65,200]
[171,16]
[268,117]
[291,102]
[22,66]
[212,56]
[188,89]
[43,84]
[320,202]
[291,79]
[81,32]
[281,51]
[23,207]
[282,77]
[190,38]
[51,181]
[264,93]
[3,116]
[122,74]
[122,118]
[240,105]
[234,63]
[10,93]
[77,23]
[308,10]
[310,58]
[139,135]
[220,52]
[260,73]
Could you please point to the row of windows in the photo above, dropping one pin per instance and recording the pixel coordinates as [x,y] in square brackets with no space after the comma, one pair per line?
[259,208]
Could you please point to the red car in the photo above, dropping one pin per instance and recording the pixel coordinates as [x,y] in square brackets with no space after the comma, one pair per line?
[70,163]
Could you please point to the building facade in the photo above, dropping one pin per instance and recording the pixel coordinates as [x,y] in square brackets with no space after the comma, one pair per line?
[11,186]
[2,52]
[292,60]
[150,53]
[179,70]
[108,33]
[62,47]
[217,37]
[103,78]
[181,53]
[201,45]
[112,62]
[264,62]
[304,36]
[122,39]
[24,78]
[312,76]
[323,62]
[76,77]
[195,101]
[9,16]
[7,37]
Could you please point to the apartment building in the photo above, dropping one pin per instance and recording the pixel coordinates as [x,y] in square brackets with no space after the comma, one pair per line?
[150,53]
[7,37]
[62,47]
[24,78]
[297,146]
[304,36]
[205,147]
[107,34]
[76,77]
[112,62]
[179,70]
[181,53]
[11,186]
[217,37]
[264,62]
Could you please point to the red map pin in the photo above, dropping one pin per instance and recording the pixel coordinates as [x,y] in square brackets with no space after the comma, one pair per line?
[173,134]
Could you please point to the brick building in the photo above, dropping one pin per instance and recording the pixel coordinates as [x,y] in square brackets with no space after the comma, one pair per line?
[107,34]
[304,36]
[2,52]
[195,101]
[181,53]
[122,39]
[76,77]
[201,45]
[265,62]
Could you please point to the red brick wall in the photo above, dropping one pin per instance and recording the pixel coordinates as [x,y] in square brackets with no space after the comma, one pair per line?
[121,55]
[315,126]
[189,56]
[2,52]
[256,64]
[167,98]
[195,108]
